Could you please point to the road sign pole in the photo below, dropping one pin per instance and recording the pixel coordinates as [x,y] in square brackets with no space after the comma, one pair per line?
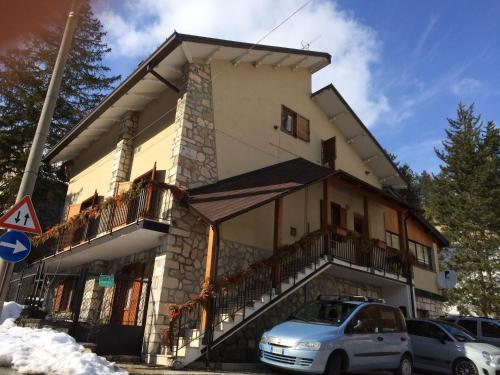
[36,152]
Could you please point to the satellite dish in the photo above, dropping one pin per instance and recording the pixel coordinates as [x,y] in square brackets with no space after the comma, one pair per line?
[447,279]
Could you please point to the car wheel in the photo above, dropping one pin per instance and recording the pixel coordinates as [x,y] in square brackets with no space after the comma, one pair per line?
[405,366]
[464,367]
[334,365]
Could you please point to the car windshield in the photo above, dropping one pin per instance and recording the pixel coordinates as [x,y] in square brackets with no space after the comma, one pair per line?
[325,312]
[459,333]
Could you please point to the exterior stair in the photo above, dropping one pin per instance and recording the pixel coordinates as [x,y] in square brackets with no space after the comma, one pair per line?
[241,303]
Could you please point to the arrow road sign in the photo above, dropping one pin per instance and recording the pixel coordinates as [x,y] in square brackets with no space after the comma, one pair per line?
[22,217]
[14,246]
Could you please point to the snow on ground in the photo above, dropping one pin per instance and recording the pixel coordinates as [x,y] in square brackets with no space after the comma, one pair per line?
[10,310]
[35,351]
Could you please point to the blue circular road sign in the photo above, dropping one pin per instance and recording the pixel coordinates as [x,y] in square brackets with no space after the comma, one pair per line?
[14,246]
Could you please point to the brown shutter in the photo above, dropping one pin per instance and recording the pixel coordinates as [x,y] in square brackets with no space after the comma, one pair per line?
[343,217]
[329,152]
[302,128]
[73,210]
[122,187]
[58,296]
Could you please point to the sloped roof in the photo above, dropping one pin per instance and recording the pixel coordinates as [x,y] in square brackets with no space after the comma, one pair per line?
[358,136]
[236,195]
[143,85]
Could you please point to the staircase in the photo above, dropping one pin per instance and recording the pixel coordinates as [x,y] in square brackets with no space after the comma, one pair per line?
[241,302]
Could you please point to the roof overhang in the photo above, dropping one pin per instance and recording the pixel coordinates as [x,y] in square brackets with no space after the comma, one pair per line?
[237,195]
[358,136]
[146,84]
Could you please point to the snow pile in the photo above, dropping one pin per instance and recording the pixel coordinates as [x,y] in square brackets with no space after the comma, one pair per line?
[34,351]
[11,310]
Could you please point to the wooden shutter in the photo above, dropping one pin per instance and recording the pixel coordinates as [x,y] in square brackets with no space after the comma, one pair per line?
[58,297]
[329,152]
[73,210]
[343,217]
[303,128]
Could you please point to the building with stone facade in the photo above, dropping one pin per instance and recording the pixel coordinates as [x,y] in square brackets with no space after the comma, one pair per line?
[214,170]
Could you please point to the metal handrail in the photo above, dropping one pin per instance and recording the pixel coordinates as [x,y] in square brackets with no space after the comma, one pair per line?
[236,298]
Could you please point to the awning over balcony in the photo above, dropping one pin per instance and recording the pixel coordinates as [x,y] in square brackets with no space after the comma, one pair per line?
[236,195]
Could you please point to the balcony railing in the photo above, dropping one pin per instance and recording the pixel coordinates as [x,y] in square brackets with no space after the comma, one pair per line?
[262,277]
[151,202]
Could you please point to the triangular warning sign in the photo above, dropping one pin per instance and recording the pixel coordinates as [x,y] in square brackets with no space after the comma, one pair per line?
[22,217]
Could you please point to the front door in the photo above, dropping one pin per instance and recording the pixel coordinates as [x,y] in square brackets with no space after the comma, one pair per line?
[127,294]
[365,340]
[431,346]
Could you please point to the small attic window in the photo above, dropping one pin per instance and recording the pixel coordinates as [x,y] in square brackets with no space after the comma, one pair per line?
[294,124]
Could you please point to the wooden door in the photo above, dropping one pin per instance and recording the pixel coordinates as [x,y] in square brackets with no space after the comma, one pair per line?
[127,294]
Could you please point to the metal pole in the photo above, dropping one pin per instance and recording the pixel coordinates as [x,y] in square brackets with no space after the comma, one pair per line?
[36,152]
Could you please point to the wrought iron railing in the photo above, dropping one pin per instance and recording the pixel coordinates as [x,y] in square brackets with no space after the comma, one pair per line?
[152,201]
[235,298]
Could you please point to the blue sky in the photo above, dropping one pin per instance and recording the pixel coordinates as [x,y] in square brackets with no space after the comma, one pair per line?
[402,65]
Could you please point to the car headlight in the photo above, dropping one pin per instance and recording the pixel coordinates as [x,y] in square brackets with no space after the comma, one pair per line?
[264,339]
[488,356]
[308,345]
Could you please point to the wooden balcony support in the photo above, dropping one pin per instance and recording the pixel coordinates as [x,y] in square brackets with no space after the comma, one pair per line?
[366,217]
[326,211]
[210,272]
[277,236]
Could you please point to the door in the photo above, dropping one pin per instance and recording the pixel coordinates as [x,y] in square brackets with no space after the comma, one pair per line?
[127,294]
[395,338]
[431,346]
[364,340]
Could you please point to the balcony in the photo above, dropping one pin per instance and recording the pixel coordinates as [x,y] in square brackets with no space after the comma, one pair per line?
[147,211]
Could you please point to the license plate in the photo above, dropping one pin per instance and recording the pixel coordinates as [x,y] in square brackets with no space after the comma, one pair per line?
[277,350]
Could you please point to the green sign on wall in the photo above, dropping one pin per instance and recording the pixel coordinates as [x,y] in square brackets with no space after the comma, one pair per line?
[106,281]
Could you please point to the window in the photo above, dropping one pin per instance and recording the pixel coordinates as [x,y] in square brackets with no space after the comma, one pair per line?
[359,223]
[390,322]
[392,240]
[336,214]
[469,324]
[367,321]
[426,329]
[422,253]
[490,329]
[329,152]
[294,124]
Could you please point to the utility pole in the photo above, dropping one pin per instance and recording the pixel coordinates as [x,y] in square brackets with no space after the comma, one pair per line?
[36,152]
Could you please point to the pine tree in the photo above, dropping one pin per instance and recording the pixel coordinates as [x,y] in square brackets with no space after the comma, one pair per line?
[464,201]
[25,72]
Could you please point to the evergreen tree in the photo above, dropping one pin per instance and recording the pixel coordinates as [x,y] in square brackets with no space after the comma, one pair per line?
[413,193]
[464,202]
[25,73]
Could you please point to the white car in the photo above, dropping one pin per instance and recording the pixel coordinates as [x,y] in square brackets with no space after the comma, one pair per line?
[445,347]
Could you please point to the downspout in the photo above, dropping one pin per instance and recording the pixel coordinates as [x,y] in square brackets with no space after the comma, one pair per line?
[409,266]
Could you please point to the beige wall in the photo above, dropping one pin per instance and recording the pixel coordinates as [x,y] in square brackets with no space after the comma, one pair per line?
[91,170]
[425,279]
[153,142]
[247,107]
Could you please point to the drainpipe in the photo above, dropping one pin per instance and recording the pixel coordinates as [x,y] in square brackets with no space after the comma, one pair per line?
[409,266]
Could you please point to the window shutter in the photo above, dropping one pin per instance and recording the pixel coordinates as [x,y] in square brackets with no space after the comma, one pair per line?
[122,187]
[329,152]
[303,128]
[343,217]
[73,210]
[58,297]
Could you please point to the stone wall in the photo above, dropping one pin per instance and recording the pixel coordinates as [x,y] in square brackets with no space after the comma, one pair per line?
[429,307]
[124,152]
[234,256]
[243,345]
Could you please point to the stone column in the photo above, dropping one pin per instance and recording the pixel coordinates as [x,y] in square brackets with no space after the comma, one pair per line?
[180,263]
[124,151]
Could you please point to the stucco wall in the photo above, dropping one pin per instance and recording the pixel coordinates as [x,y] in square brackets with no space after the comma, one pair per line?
[153,142]
[425,279]
[247,107]
[91,170]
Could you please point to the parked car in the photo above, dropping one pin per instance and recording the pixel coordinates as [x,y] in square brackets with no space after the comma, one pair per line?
[340,334]
[446,347]
[485,329]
